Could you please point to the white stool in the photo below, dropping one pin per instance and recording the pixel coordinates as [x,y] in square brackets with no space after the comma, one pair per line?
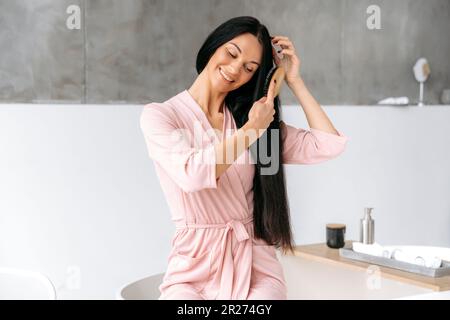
[143,289]
[16,284]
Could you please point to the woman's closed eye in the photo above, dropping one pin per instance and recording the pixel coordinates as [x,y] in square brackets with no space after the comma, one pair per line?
[231,54]
[249,70]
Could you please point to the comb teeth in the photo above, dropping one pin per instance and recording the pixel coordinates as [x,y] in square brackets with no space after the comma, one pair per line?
[268,78]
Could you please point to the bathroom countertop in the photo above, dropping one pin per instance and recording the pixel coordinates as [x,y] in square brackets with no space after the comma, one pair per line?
[322,253]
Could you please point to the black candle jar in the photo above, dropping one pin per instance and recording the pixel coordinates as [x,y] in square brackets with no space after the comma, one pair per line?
[335,235]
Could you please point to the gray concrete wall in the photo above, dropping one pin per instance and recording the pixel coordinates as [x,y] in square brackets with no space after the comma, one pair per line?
[137,51]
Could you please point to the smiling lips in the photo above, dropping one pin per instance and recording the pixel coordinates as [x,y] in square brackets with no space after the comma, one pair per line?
[227,78]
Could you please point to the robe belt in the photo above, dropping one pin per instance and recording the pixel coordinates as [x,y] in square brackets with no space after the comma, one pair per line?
[226,271]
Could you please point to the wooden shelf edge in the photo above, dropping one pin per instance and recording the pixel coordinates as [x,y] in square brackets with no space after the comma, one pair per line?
[321,253]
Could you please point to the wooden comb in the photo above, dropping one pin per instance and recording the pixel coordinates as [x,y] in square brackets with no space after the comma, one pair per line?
[276,74]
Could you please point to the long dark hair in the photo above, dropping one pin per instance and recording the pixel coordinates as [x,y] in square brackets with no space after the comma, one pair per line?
[271,209]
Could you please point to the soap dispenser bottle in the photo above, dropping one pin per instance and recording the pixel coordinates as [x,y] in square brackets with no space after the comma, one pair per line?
[367,228]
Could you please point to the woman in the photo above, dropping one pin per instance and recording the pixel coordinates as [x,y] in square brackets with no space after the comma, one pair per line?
[231,215]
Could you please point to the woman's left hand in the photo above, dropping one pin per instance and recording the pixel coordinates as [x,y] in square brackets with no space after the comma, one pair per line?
[290,62]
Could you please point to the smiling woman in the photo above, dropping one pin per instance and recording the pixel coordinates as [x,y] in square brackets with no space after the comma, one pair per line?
[229,216]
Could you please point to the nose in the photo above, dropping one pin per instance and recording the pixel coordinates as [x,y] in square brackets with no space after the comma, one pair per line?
[234,68]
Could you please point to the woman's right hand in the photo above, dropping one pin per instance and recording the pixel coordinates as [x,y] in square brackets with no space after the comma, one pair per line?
[262,112]
[259,118]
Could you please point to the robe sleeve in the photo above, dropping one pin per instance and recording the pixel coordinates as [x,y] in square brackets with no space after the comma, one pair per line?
[309,147]
[191,168]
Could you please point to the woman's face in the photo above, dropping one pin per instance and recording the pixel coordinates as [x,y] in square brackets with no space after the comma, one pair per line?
[235,62]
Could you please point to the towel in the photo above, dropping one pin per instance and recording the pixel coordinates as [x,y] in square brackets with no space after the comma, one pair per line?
[394,101]
[418,258]
[403,254]
[371,249]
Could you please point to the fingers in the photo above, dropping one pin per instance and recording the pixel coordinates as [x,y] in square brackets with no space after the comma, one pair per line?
[274,53]
[289,52]
[286,43]
[275,38]
[275,57]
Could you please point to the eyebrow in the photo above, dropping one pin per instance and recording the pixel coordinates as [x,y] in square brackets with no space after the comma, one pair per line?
[240,51]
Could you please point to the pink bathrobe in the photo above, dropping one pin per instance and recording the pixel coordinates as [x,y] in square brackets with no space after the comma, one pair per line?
[214,253]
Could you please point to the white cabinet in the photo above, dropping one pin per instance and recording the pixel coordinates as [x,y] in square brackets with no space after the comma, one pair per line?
[318,272]
[310,279]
